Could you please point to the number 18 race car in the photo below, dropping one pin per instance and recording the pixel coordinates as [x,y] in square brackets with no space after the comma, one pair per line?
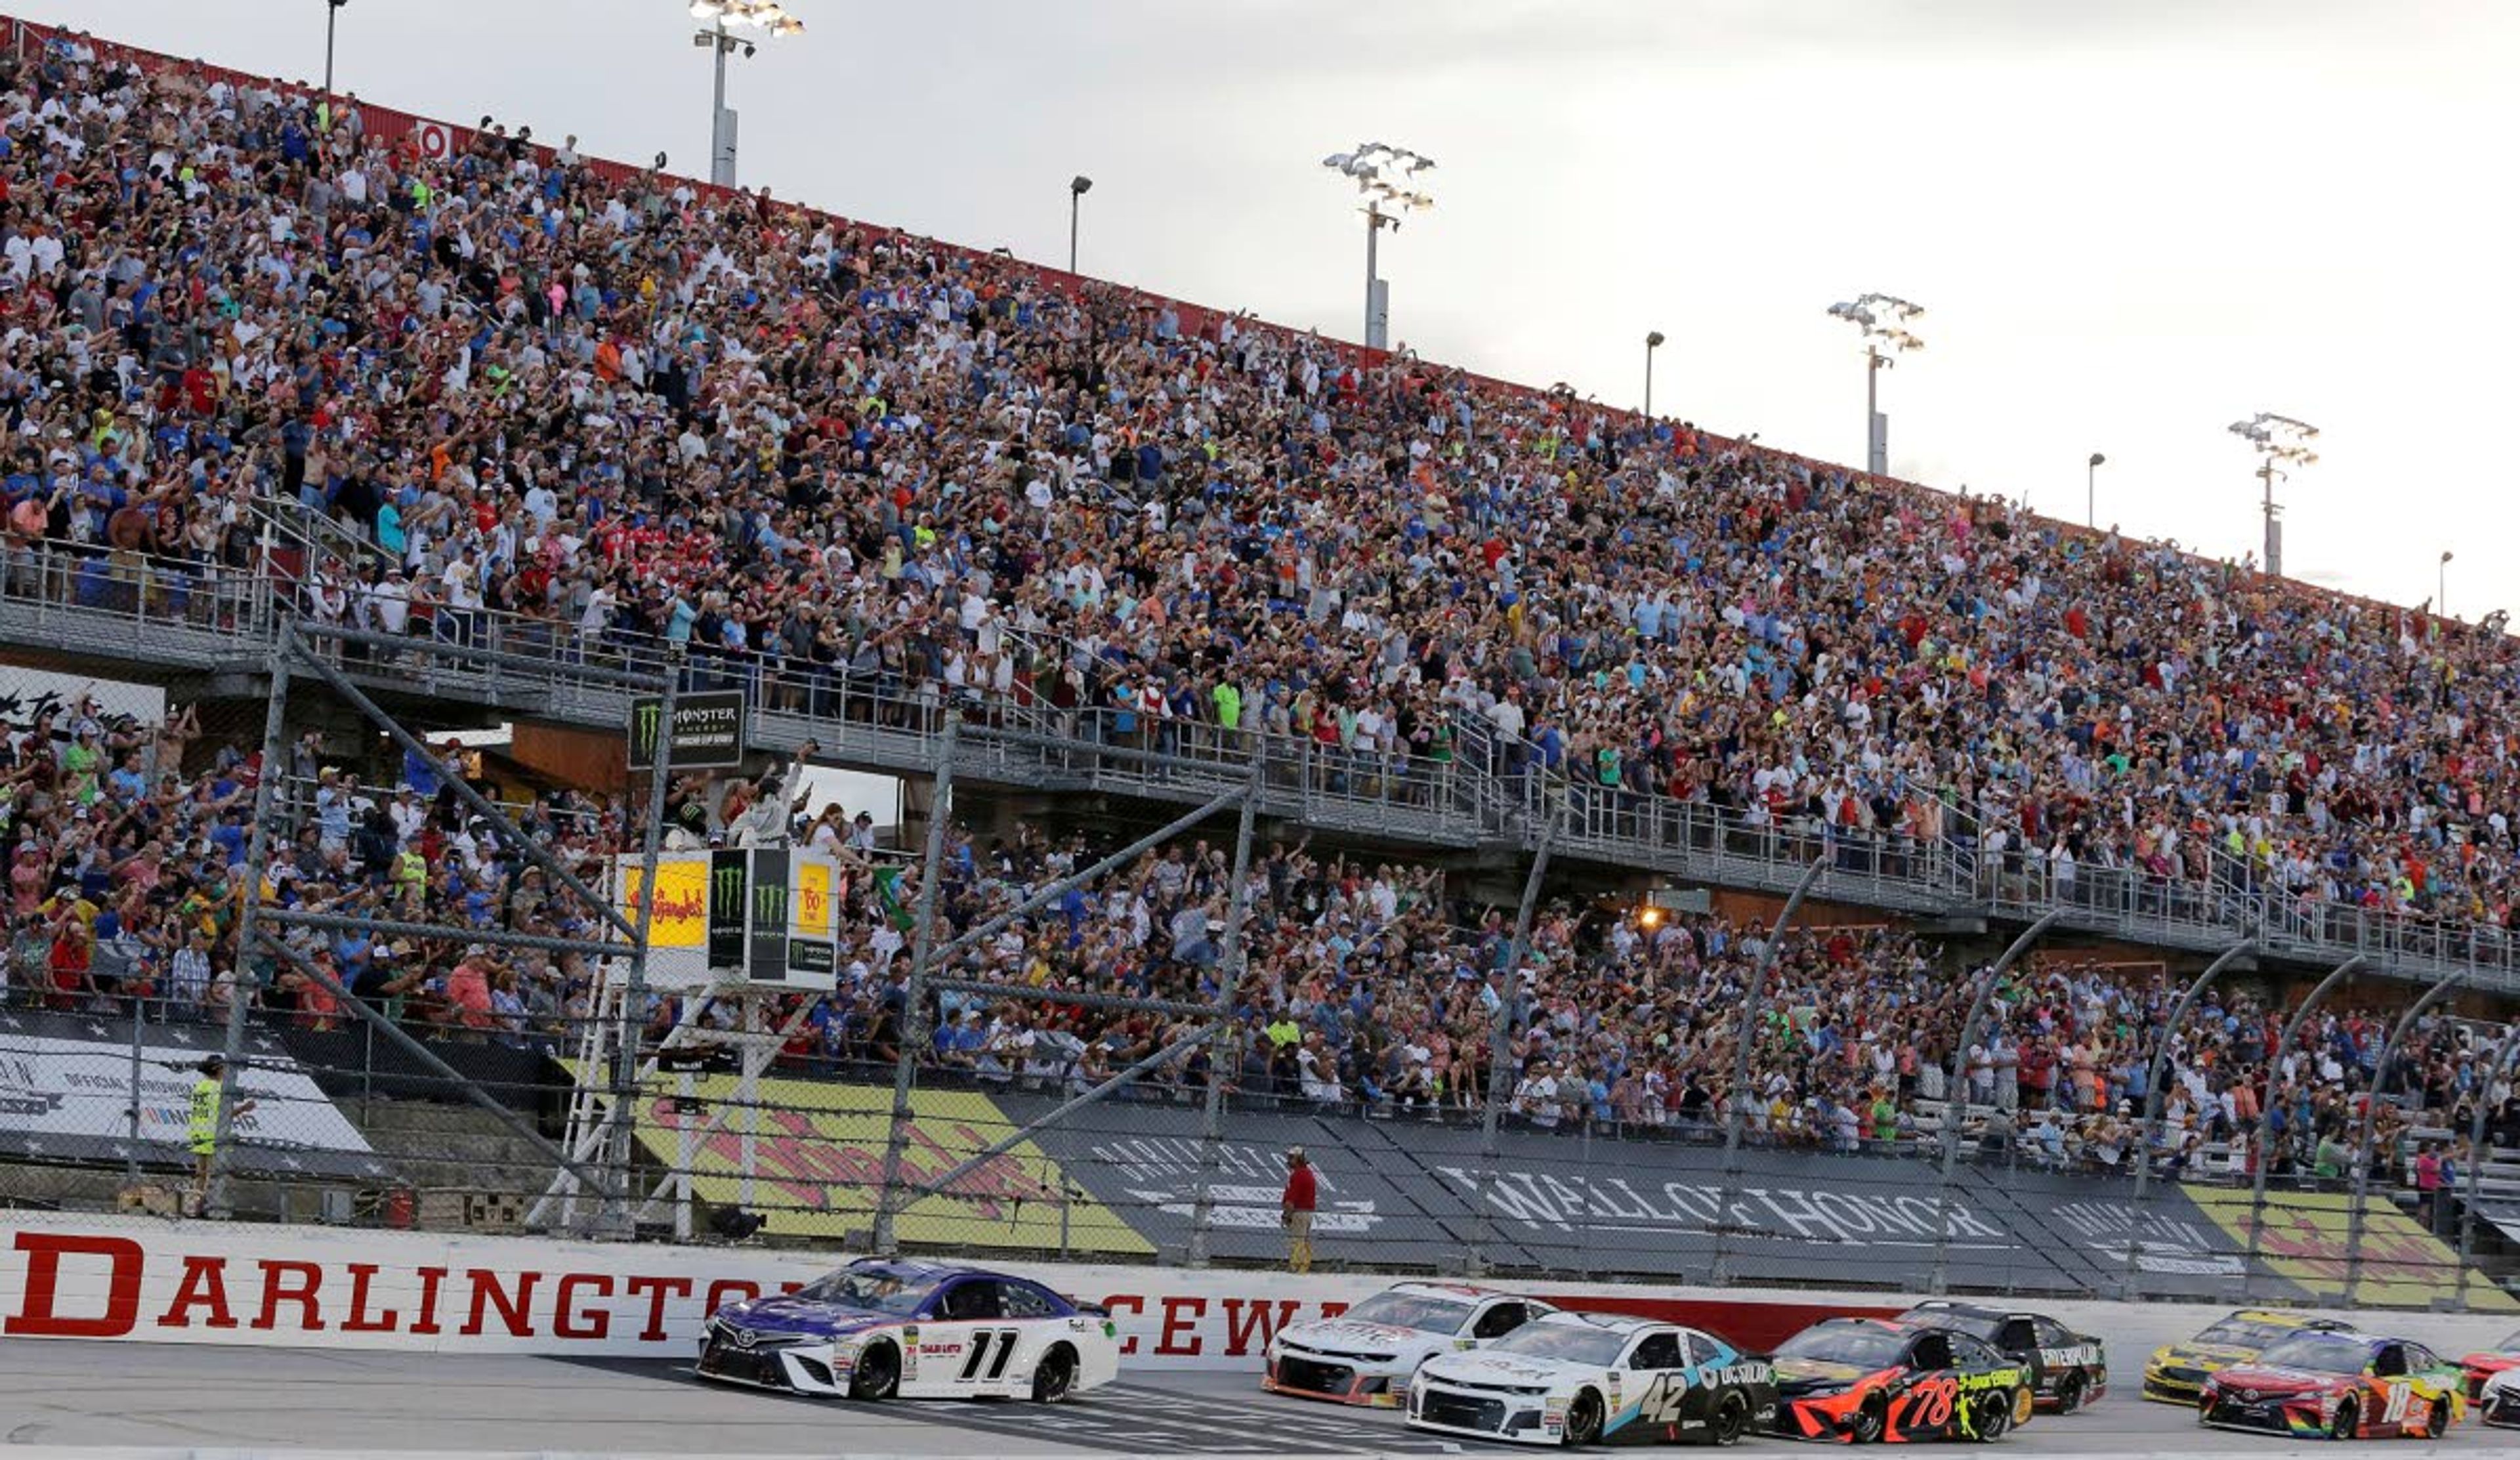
[1577,1379]
[1863,1380]
[2338,1386]
[1367,1355]
[2067,1370]
[878,1329]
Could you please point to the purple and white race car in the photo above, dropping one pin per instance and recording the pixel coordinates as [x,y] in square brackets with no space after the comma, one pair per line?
[884,1330]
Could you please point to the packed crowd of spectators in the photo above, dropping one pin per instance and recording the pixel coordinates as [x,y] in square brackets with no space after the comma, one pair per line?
[627,410]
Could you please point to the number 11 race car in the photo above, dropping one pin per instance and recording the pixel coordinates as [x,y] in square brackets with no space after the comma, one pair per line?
[1579,1379]
[877,1330]
[1860,1380]
[2338,1386]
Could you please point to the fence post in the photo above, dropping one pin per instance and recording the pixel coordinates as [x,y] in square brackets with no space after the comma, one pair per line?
[1752,999]
[1956,1098]
[896,1140]
[2149,1134]
[243,987]
[132,1118]
[1483,1222]
[1229,974]
[2260,1157]
[2363,1155]
[2473,1173]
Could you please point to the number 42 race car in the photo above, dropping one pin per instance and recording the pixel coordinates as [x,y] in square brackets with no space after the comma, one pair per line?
[1578,1379]
[2338,1386]
[879,1330]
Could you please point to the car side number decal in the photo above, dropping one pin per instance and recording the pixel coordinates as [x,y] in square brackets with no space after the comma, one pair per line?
[2400,1394]
[1002,1340]
[1929,1405]
[1661,1403]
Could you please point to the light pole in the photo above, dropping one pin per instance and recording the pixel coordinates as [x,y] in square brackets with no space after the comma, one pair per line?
[768,17]
[2275,438]
[2091,490]
[331,13]
[2441,584]
[1077,187]
[1883,319]
[1381,169]
[1653,341]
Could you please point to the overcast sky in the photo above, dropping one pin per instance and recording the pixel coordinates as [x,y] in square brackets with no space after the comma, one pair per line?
[2131,223]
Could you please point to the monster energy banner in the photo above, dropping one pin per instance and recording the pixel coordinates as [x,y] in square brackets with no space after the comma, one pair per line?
[730,911]
[768,957]
[707,733]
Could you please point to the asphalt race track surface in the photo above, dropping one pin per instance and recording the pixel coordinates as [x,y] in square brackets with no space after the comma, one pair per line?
[163,1401]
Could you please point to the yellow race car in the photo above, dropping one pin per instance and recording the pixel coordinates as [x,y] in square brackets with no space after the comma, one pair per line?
[2176,1372]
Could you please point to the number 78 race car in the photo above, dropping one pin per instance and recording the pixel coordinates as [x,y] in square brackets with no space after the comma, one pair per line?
[1579,1379]
[879,1330]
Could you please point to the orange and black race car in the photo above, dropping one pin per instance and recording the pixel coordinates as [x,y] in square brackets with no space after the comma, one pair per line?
[1863,1380]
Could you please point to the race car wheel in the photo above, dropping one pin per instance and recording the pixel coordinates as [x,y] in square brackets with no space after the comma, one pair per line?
[1583,1420]
[878,1374]
[1994,1417]
[1869,1422]
[2069,1393]
[1055,1376]
[2345,1422]
[2436,1424]
[1731,1417]
[2024,1406]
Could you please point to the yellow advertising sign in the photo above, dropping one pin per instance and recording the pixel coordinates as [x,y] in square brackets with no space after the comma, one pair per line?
[681,918]
[815,910]
[2305,1243]
[817,1161]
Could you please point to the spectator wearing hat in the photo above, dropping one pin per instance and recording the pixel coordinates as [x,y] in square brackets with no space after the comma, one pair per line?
[209,1092]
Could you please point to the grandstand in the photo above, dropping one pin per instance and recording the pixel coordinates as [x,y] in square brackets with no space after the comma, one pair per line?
[535,429]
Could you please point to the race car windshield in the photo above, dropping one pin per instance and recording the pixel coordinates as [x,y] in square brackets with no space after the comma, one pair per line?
[875,1292]
[2241,1333]
[1575,1343]
[2318,1353]
[1977,1324]
[1863,1347]
[1410,1311]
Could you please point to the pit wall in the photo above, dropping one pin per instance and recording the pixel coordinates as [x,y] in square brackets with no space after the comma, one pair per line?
[63,1277]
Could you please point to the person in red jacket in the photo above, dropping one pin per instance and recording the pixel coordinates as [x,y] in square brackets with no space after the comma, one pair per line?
[1295,1211]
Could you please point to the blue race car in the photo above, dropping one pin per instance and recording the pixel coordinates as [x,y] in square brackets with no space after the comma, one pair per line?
[879,1330]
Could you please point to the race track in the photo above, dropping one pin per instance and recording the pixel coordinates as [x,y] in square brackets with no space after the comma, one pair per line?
[164,1400]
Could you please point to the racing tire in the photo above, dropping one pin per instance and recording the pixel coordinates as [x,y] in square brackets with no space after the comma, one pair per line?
[2069,1395]
[2024,1406]
[2437,1423]
[1583,1421]
[2348,1420]
[876,1374]
[1993,1418]
[1870,1421]
[1731,1421]
[1054,1378]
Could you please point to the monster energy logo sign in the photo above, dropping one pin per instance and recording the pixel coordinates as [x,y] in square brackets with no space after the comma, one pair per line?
[707,731]
[726,889]
[769,905]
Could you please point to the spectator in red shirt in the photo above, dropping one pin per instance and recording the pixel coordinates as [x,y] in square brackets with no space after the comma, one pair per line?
[1295,1211]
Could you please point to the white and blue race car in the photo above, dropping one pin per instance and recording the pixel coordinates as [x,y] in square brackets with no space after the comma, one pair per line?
[882,1330]
[1579,1379]
[1367,1355]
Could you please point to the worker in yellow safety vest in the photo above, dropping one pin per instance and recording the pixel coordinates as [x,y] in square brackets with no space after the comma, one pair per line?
[203,1127]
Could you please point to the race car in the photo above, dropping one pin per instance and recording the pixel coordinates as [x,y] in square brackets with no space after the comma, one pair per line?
[1578,1379]
[878,1329]
[2500,1404]
[2178,1371]
[1367,1355]
[1861,1380]
[2338,1386]
[2485,1363]
[2067,1370]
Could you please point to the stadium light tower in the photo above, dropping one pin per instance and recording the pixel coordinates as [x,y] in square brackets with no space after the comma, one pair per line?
[1385,175]
[2275,438]
[2091,489]
[764,18]
[1653,341]
[331,13]
[1883,319]
[1077,187]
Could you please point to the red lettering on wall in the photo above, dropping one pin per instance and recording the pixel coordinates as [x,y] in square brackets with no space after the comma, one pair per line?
[1125,1302]
[429,1278]
[204,1284]
[1243,1316]
[742,1290]
[276,1289]
[44,1253]
[359,1321]
[516,1310]
[567,1321]
[1179,1311]
[656,1289]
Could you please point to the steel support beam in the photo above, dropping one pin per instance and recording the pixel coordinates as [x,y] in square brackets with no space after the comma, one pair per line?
[2363,1155]
[1228,977]
[1081,998]
[654,682]
[497,937]
[2259,1155]
[1956,1098]
[982,931]
[1483,1222]
[1751,999]
[243,987]
[896,1139]
[2472,1170]
[2149,1135]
